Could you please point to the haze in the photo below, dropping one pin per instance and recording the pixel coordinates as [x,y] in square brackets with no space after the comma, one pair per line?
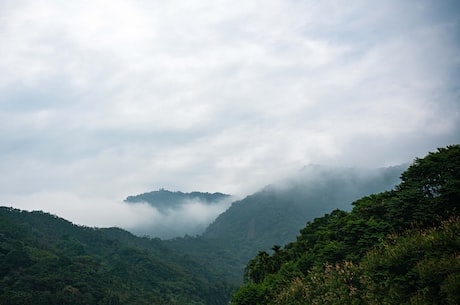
[104,99]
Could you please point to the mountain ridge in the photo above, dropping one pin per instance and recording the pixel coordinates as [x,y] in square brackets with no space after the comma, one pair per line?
[164,199]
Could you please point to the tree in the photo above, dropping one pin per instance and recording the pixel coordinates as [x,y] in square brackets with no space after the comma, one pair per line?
[429,190]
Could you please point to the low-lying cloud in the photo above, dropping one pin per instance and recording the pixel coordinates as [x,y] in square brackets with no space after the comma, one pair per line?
[191,217]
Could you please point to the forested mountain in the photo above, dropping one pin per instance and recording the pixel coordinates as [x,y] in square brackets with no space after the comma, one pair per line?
[400,246]
[47,260]
[396,247]
[165,200]
[274,215]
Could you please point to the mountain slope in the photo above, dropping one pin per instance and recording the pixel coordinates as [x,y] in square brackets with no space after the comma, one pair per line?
[48,260]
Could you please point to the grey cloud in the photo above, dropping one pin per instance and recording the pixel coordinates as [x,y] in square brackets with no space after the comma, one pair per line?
[190,218]
[107,99]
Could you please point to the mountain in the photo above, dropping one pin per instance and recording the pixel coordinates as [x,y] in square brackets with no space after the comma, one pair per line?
[45,259]
[274,215]
[165,200]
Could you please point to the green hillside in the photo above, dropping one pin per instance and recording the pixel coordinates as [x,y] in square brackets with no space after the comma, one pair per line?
[396,247]
[47,260]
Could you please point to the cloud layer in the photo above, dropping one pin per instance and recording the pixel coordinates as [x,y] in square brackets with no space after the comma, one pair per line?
[104,99]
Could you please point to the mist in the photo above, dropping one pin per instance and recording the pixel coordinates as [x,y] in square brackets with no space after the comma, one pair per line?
[190,217]
[353,180]
[333,187]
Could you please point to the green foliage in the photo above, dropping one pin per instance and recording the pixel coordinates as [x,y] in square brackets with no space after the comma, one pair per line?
[396,247]
[250,294]
[418,267]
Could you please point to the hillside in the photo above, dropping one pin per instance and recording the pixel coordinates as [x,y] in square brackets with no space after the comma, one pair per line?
[48,260]
[395,247]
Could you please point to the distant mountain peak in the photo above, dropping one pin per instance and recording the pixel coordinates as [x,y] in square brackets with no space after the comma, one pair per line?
[164,199]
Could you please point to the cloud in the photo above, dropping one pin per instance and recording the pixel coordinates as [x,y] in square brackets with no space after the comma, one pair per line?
[106,99]
[189,218]
[86,211]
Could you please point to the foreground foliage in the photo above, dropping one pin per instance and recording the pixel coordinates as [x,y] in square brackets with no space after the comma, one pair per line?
[396,247]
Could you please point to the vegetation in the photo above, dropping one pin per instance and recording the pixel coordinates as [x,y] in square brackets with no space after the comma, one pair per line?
[47,260]
[396,247]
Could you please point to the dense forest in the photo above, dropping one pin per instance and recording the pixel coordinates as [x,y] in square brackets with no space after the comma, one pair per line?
[47,260]
[400,246]
[396,247]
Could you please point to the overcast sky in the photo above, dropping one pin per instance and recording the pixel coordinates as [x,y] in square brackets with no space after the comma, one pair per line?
[103,99]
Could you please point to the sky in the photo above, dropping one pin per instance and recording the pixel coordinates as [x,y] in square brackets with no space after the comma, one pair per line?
[104,99]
